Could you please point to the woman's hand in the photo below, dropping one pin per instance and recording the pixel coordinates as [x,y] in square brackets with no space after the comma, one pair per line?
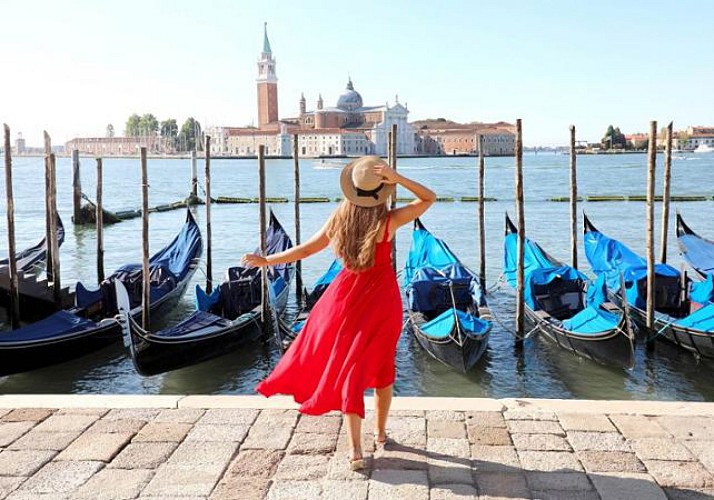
[254,260]
[389,175]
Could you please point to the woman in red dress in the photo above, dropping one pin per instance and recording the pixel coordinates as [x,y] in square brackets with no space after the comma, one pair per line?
[349,340]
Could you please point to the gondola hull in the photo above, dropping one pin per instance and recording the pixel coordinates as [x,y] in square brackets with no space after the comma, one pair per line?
[612,347]
[460,350]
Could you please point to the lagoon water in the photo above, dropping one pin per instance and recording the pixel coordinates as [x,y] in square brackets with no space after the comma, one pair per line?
[539,370]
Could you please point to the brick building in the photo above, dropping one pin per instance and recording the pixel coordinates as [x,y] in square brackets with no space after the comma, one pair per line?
[444,137]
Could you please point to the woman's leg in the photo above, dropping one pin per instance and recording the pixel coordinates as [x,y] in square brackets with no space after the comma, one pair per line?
[382,401]
[354,434]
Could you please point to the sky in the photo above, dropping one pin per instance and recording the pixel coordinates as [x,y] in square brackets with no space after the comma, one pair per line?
[72,67]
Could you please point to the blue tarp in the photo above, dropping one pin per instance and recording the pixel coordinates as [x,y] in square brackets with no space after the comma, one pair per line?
[592,320]
[427,251]
[702,319]
[698,252]
[703,291]
[431,289]
[538,268]
[56,325]
[611,258]
[597,292]
[330,274]
[443,325]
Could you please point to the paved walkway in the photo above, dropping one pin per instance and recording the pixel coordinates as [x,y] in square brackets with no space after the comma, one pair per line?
[250,448]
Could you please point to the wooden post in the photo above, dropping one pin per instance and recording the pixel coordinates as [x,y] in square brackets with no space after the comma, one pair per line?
[651,165]
[54,242]
[76,189]
[209,261]
[520,304]
[666,193]
[393,164]
[296,177]
[100,223]
[14,311]
[145,296]
[194,176]
[48,236]
[265,309]
[481,214]
[573,202]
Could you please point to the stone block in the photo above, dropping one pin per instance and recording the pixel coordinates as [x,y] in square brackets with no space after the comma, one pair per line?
[114,484]
[312,443]
[492,485]
[564,495]
[27,414]
[540,442]
[689,494]
[178,480]
[610,461]
[231,416]
[456,450]
[344,490]
[180,415]
[144,414]
[320,425]
[488,436]
[23,463]
[626,486]
[34,440]
[9,484]
[446,429]
[294,490]
[485,419]
[591,422]
[255,464]
[597,441]
[66,423]
[549,461]
[96,447]
[217,432]
[196,453]
[698,428]
[562,481]
[338,468]
[302,468]
[660,449]
[163,431]
[236,488]
[399,485]
[12,431]
[671,474]
[95,412]
[60,477]
[400,457]
[495,458]
[535,427]
[147,455]
[453,492]
[107,426]
[268,438]
[529,415]
[638,426]
[444,472]
[445,415]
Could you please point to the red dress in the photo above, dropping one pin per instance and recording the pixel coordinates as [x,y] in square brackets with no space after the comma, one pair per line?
[348,342]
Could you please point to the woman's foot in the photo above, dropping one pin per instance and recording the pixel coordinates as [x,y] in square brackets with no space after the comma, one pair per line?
[356,461]
[380,439]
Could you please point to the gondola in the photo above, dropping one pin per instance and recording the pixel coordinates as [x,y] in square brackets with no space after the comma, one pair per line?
[30,259]
[223,320]
[555,305]
[697,251]
[447,311]
[684,314]
[288,331]
[91,324]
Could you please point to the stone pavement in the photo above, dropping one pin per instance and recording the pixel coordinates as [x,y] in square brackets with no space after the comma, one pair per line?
[242,447]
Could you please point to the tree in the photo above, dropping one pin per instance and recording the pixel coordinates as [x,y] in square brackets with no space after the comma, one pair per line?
[613,138]
[132,126]
[110,130]
[169,132]
[190,137]
[148,125]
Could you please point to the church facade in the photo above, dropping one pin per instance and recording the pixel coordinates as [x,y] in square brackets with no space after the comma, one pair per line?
[349,128]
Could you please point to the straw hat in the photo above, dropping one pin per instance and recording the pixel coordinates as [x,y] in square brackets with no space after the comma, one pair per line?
[362,186]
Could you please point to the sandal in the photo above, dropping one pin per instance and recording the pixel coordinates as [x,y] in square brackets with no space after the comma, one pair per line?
[381,443]
[356,464]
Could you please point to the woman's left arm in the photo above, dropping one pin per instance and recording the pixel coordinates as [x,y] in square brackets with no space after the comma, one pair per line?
[316,243]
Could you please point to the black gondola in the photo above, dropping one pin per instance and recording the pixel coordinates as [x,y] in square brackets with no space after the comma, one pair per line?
[91,324]
[556,306]
[697,251]
[223,321]
[447,310]
[683,317]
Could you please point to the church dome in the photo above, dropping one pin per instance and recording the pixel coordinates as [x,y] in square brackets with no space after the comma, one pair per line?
[350,99]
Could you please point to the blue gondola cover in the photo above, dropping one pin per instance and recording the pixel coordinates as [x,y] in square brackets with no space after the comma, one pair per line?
[698,252]
[443,325]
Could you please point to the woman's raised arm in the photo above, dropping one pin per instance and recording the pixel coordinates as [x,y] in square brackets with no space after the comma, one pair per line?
[315,244]
[425,196]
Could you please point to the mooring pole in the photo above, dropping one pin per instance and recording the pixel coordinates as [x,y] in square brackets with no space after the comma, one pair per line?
[520,305]
[145,296]
[100,223]
[481,213]
[76,189]
[393,163]
[651,165]
[209,262]
[48,188]
[573,202]
[666,193]
[194,177]
[14,310]
[265,309]
[54,241]
[296,177]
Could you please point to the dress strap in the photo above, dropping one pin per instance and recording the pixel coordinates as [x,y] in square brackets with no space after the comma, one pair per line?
[385,238]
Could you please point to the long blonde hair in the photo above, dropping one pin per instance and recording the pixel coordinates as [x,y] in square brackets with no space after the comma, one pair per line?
[353,232]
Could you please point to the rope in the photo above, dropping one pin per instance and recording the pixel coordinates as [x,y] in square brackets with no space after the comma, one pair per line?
[661,330]
[513,332]
[497,284]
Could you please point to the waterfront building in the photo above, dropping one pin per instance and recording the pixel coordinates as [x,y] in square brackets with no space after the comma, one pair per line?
[118,146]
[693,137]
[444,137]
[19,145]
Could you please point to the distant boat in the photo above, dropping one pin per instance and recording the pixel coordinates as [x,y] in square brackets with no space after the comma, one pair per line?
[704,148]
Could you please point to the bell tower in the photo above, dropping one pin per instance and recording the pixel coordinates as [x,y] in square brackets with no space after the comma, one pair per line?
[267,84]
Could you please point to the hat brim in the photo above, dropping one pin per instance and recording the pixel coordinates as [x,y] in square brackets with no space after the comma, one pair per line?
[350,191]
